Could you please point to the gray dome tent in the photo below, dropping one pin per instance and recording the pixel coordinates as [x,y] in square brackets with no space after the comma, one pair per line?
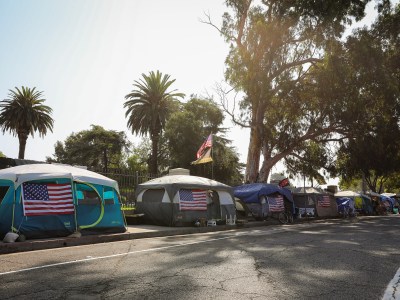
[172,200]
[315,202]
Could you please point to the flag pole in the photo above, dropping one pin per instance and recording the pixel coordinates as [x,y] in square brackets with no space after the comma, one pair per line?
[212,164]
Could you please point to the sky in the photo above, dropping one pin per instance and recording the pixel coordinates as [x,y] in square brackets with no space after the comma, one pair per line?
[85,55]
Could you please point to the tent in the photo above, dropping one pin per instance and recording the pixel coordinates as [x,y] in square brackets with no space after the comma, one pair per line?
[44,200]
[178,200]
[362,203]
[310,201]
[345,206]
[388,202]
[393,199]
[257,197]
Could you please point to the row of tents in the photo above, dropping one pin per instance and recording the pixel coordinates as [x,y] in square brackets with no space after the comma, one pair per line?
[43,200]
[178,200]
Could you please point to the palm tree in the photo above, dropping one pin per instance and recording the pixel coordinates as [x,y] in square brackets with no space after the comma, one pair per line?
[148,107]
[23,114]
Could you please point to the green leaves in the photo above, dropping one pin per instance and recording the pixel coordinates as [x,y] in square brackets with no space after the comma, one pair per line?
[24,113]
[274,46]
[148,107]
[96,148]
[187,129]
[372,59]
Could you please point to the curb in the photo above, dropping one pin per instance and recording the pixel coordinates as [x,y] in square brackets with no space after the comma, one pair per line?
[34,245]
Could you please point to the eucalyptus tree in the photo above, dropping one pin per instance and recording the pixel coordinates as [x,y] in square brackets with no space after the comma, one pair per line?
[23,114]
[273,47]
[372,150]
[147,108]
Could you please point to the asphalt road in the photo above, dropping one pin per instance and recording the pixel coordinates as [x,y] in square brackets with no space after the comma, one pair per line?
[337,259]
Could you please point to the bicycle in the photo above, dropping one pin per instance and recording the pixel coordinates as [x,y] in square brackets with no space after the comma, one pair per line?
[281,216]
[347,212]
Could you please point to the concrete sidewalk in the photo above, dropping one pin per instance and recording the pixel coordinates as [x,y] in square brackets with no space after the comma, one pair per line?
[133,232]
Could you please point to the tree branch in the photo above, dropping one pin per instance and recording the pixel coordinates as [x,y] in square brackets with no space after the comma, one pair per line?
[287,66]
[230,112]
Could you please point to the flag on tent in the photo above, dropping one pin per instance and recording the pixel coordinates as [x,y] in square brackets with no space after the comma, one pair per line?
[276,204]
[324,201]
[205,158]
[284,182]
[207,144]
[47,199]
[192,199]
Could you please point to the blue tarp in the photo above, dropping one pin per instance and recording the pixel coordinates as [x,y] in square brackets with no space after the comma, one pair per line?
[345,202]
[386,198]
[251,193]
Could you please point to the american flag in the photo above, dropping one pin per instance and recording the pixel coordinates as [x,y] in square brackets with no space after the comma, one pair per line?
[205,145]
[276,204]
[192,199]
[324,201]
[47,199]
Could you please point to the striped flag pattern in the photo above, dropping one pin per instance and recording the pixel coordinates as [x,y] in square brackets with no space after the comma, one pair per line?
[276,204]
[192,199]
[324,201]
[207,144]
[41,199]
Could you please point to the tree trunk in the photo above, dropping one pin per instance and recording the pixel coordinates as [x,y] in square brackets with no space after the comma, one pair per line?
[22,137]
[153,168]
[266,169]
[255,145]
[253,156]
[105,158]
[270,161]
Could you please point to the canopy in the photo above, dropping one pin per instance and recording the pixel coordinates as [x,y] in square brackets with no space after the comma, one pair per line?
[250,193]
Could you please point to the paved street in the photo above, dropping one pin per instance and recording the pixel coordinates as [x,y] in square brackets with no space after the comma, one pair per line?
[336,259]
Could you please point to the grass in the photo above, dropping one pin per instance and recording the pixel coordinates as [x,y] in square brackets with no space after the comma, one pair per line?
[129,207]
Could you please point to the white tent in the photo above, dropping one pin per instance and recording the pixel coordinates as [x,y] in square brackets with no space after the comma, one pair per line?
[160,200]
[24,173]
[388,194]
[347,194]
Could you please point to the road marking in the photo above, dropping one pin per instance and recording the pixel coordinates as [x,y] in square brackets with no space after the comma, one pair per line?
[112,256]
[255,232]
[393,288]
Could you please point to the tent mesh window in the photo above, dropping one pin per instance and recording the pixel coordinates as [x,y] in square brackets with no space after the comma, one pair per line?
[86,195]
[109,196]
[3,192]
[153,195]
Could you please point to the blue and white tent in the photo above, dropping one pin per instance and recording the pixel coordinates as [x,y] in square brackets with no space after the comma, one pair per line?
[43,200]
[362,202]
[388,201]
